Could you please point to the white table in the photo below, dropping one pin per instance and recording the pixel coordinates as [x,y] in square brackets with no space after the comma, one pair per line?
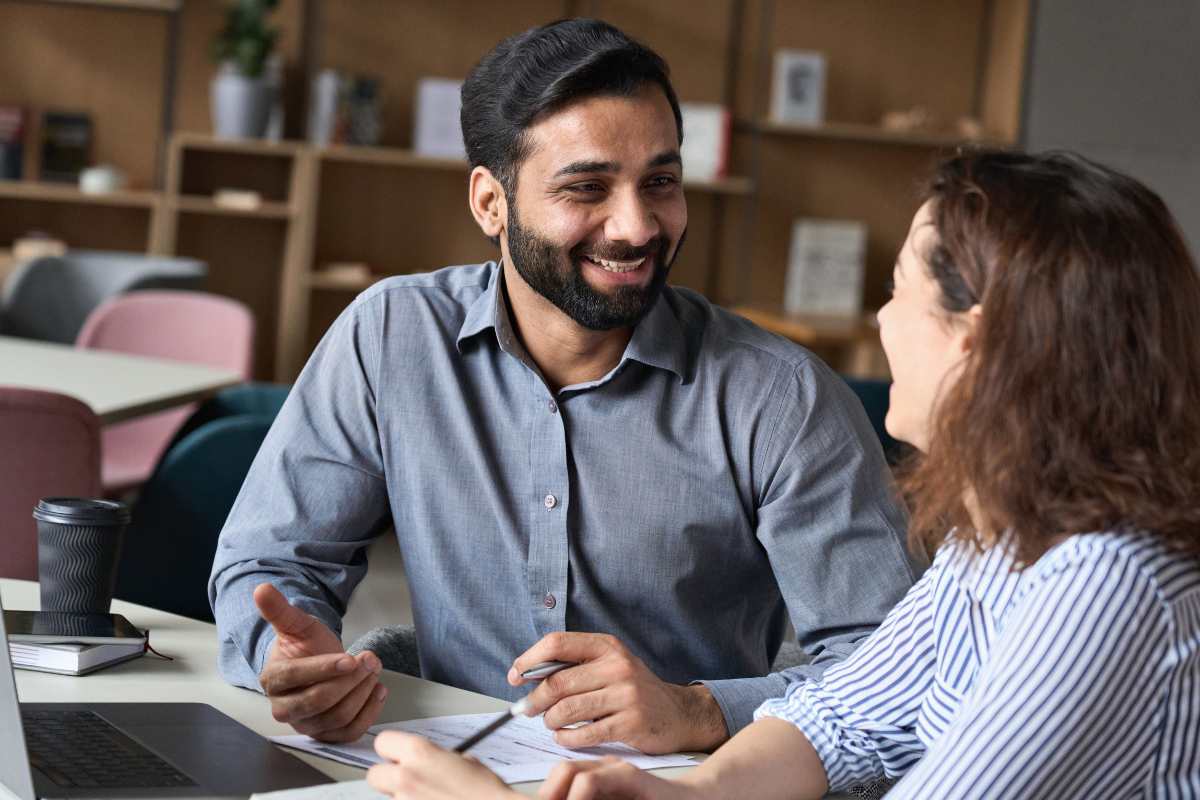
[192,676]
[116,386]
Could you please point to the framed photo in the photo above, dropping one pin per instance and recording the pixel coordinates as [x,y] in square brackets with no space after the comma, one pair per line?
[798,89]
[825,267]
[705,150]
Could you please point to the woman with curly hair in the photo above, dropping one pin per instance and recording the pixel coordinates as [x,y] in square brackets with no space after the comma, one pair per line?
[1044,341]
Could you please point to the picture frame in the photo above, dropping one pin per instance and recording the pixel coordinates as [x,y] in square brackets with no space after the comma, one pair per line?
[798,87]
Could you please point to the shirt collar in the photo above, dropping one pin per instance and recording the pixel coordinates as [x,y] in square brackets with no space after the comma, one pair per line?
[487,310]
[658,340]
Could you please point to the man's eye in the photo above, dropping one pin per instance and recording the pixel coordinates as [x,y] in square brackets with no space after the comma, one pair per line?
[586,188]
[659,181]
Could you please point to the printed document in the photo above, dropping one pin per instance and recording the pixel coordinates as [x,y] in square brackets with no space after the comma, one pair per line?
[523,750]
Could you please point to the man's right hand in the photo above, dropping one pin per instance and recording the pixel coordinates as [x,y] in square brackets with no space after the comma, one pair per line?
[314,685]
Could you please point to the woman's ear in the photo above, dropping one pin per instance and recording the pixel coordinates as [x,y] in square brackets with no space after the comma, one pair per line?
[485,196]
[970,327]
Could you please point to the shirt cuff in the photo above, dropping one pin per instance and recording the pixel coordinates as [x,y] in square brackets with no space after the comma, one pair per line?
[738,697]
[846,766]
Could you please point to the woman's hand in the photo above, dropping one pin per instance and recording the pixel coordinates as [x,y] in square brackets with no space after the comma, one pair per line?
[424,771]
[610,779]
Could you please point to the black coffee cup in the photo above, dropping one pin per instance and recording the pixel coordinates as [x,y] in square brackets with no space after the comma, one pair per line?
[79,545]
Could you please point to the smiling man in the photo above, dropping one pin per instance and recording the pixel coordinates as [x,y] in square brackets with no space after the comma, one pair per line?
[580,462]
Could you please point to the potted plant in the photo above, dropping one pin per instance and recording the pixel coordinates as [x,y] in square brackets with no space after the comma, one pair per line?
[242,94]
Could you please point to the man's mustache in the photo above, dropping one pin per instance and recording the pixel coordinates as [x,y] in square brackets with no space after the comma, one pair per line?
[611,251]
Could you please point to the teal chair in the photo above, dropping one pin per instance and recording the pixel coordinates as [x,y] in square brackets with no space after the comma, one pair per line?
[170,544]
[873,394]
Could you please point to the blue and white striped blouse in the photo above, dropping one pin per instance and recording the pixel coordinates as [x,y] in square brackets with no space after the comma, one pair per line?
[1077,677]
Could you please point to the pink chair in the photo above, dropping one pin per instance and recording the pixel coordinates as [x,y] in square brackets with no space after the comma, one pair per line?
[51,448]
[181,326]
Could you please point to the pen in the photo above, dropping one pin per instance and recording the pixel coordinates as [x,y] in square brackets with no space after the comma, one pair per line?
[517,709]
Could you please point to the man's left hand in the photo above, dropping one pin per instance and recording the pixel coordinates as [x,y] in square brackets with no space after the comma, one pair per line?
[619,695]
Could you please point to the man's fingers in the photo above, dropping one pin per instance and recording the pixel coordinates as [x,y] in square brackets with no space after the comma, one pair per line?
[368,702]
[608,729]
[583,707]
[311,701]
[616,780]
[286,675]
[563,646]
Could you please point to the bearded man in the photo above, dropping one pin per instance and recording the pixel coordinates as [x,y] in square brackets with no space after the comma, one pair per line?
[580,462]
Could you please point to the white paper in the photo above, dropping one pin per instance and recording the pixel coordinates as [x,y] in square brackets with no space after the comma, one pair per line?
[523,750]
[345,790]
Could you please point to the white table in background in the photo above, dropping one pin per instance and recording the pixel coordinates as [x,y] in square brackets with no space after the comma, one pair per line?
[114,385]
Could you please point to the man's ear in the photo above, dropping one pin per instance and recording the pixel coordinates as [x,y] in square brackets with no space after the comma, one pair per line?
[486,198]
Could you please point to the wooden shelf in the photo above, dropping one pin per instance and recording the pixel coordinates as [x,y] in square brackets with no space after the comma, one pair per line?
[860,132]
[396,157]
[256,147]
[336,283]
[810,329]
[68,193]
[168,6]
[205,205]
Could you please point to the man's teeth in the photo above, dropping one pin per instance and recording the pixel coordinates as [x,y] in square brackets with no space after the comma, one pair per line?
[617,266]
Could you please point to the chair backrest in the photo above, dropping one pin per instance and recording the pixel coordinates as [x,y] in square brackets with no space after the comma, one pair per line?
[183,326]
[169,546]
[51,447]
[875,396]
[49,298]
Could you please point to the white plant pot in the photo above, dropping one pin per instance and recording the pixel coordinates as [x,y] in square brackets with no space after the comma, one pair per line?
[241,106]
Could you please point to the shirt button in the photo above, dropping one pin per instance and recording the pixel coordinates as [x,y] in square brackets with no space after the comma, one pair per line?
[548,601]
[551,501]
[553,406]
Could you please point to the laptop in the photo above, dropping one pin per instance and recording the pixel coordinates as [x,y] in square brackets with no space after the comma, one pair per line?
[133,750]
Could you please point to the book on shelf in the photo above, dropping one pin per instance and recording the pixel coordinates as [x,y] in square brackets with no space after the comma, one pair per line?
[71,659]
[12,142]
[825,267]
[66,145]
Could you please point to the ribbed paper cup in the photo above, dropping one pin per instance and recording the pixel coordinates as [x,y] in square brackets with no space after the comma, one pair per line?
[79,545]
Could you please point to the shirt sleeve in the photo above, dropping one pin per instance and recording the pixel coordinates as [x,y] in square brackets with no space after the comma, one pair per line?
[314,498]
[830,525]
[861,715]
[1070,702]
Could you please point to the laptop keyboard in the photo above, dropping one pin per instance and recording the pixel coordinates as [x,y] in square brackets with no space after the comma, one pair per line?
[79,748]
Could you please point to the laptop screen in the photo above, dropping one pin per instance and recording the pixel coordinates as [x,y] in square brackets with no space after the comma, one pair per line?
[14,758]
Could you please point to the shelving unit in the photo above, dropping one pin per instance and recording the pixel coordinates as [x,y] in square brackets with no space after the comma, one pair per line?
[397,212]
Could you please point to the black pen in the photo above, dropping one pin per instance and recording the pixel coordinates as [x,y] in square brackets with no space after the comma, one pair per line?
[517,709]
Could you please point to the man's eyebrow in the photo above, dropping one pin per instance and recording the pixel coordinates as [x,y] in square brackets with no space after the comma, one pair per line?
[663,159]
[581,167]
[584,167]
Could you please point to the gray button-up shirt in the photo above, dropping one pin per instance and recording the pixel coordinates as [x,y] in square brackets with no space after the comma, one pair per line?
[717,482]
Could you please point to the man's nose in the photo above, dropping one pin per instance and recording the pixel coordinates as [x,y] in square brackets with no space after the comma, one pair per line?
[632,220]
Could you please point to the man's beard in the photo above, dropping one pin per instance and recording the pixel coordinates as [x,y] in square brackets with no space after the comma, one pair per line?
[539,262]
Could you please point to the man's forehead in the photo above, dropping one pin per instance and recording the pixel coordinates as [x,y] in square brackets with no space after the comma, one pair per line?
[616,131]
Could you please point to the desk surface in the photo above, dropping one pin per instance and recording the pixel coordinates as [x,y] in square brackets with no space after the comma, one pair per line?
[192,676]
[116,386]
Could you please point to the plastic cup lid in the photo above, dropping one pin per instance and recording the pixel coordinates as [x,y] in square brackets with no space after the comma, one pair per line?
[81,511]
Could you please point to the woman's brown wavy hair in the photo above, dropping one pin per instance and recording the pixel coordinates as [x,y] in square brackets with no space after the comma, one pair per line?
[1078,406]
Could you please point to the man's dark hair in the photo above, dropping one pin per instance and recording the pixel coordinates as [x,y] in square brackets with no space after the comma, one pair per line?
[542,70]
